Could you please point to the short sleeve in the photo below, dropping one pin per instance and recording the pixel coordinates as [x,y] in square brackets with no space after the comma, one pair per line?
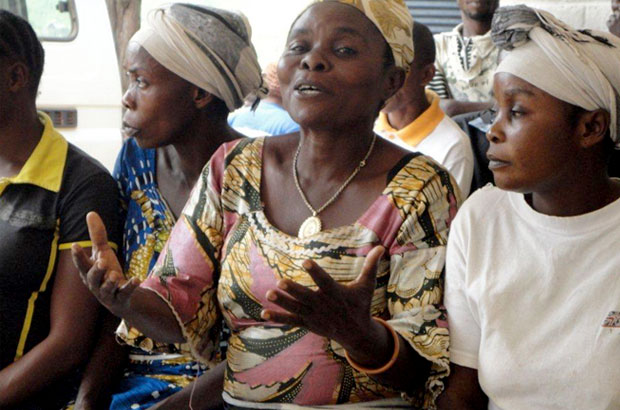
[97,193]
[464,322]
[187,270]
[417,258]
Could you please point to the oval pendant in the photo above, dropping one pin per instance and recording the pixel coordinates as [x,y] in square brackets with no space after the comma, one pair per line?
[311,226]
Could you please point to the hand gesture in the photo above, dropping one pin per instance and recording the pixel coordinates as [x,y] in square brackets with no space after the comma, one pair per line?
[102,272]
[338,312]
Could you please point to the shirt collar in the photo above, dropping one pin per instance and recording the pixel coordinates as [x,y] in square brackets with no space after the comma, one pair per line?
[420,128]
[45,166]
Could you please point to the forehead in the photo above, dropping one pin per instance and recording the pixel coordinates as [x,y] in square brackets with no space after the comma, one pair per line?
[333,17]
[137,58]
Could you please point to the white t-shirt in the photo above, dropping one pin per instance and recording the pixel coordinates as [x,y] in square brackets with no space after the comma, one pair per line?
[534,303]
[446,142]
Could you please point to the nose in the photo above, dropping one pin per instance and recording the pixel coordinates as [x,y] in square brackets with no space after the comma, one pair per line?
[314,60]
[128,99]
[495,134]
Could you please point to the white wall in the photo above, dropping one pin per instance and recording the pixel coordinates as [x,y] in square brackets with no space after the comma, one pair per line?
[578,13]
[270,20]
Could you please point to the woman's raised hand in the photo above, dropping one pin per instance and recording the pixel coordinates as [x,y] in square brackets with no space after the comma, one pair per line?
[102,272]
[338,312]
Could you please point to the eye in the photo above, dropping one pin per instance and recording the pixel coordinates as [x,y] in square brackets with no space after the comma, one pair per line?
[345,51]
[140,82]
[516,113]
[297,48]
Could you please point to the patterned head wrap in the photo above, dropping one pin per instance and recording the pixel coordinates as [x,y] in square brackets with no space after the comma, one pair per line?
[211,48]
[271,78]
[395,23]
[579,67]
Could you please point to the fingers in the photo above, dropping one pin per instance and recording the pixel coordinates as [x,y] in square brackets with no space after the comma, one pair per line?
[369,269]
[287,302]
[286,318]
[319,276]
[81,260]
[96,231]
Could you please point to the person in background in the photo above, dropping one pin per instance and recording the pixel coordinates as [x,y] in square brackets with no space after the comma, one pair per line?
[613,23]
[48,318]
[532,279]
[322,249]
[269,117]
[466,60]
[183,83]
[413,119]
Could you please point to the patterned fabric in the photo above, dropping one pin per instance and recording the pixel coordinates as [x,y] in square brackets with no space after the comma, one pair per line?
[148,222]
[464,66]
[579,67]
[211,48]
[223,255]
[394,21]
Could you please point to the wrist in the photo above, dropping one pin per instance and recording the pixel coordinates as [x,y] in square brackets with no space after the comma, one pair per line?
[384,363]
[374,345]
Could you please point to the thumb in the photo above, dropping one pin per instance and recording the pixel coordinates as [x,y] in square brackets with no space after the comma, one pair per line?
[369,270]
[97,232]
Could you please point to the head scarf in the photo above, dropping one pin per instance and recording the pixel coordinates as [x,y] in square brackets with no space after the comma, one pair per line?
[271,78]
[579,67]
[393,20]
[211,48]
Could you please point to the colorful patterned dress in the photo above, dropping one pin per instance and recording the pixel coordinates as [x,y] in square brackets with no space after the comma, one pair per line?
[149,378]
[223,255]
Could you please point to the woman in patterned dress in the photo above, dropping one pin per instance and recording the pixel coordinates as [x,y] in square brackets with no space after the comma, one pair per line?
[323,250]
[175,116]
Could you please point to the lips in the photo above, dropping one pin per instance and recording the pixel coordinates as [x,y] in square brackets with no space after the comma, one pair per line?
[308,88]
[495,162]
[129,131]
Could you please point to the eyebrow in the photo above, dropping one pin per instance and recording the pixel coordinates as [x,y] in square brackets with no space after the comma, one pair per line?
[519,90]
[338,30]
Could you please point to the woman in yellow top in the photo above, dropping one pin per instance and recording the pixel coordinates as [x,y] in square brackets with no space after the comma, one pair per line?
[323,250]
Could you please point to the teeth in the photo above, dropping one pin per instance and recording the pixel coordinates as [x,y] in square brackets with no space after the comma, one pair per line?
[307,88]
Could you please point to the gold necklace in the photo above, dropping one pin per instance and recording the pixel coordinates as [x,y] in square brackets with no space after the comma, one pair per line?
[312,225]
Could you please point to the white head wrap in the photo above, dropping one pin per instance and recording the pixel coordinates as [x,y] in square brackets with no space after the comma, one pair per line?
[211,48]
[579,67]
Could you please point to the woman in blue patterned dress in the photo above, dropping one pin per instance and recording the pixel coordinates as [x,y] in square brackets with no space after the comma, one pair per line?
[183,84]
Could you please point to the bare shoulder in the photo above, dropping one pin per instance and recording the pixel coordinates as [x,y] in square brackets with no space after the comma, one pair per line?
[278,151]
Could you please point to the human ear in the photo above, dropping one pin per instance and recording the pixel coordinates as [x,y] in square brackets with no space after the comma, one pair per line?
[593,126]
[19,76]
[202,98]
[428,72]
[394,80]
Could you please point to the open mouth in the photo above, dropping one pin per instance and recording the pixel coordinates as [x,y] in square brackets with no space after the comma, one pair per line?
[308,89]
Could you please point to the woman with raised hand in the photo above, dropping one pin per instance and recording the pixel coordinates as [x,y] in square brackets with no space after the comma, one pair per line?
[183,83]
[48,319]
[323,250]
[532,275]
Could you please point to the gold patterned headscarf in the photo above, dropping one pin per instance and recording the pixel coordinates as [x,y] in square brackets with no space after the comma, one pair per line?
[395,23]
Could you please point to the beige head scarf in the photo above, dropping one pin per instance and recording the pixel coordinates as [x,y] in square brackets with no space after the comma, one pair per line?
[579,67]
[395,23]
[211,48]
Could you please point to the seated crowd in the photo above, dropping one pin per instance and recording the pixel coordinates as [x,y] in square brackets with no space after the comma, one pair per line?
[346,253]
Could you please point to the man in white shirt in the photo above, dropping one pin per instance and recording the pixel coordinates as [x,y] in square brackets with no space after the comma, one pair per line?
[413,119]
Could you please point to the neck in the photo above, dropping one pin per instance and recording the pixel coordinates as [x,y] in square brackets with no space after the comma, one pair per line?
[332,155]
[408,112]
[475,27]
[579,197]
[186,158]
[20,135]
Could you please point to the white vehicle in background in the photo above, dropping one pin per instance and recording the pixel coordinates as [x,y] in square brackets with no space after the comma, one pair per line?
[80,88]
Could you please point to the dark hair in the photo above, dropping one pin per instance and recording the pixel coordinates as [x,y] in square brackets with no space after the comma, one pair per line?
[18,40]
[424,45]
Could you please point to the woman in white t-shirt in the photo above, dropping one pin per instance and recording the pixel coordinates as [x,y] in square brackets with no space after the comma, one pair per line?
[533,269]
